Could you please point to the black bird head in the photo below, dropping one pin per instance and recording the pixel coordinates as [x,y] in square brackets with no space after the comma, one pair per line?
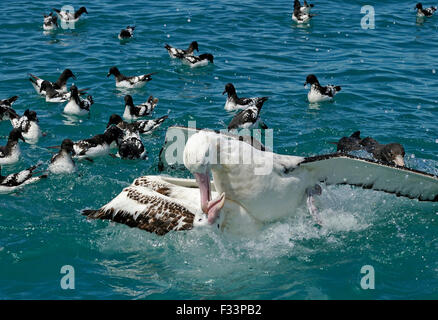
[311,79]
[82,10]
[74,90]
[15,134]
[67,73]
[113,71]
[31,115]
[128,100]
[394,153]
[114,119]
[207,56]
[67,145]
[229,88]
[194,46]
[419,6]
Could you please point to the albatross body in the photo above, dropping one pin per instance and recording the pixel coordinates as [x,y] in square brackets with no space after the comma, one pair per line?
[247,193]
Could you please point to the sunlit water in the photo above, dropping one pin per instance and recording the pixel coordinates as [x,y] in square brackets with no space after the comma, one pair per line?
[389,91]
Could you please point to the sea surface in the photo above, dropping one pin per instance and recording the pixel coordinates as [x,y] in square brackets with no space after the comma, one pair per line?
[389,91]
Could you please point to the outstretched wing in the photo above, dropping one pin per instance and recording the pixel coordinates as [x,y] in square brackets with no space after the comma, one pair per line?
[146,207]
[369,174]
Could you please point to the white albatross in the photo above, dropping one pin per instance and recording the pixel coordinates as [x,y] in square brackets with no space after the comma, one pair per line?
[247,193]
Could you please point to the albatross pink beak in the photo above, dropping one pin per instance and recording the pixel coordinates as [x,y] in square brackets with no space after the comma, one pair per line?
[211,207]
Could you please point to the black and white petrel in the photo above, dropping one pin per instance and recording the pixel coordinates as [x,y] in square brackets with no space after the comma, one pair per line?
[76,105]
[126,33]
[99,145]
[13,181]
[198,61]
[301,14]
[28,124]
[62,162]
[427,12]
[50,22]
[10,153]
[305,8]
[133,112]
[67,16]
[236,103]
[132,148]
[319,93]
[60,84]
[141,126]
[6,111]
[123,81]
[56,96]
[180,53]
[248,118]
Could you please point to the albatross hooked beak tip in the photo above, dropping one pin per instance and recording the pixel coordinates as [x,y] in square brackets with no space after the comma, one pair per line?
[214,208]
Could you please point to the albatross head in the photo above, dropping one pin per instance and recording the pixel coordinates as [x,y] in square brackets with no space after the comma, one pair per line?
[199,157]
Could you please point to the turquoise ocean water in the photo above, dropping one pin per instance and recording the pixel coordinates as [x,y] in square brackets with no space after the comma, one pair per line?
[389,91]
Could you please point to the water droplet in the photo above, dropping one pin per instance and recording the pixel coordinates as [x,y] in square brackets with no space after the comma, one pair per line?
[433,71]
[189,20]
[168,35]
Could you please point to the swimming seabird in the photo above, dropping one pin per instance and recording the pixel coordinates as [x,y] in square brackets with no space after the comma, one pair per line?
[133,112]
[10,153]
[180,53]
[351,143]
[132,148]
[126,33]
[62,162]
[13,181]
[6,111]
[235,103]
[248,118]
[141,126]
[198,61]
[319,93]
[98,145]
[305,8]
[8,102]
[67,16]
[60,84]
[428,12]
[28,125]
[56,96]
[50,22]
[299,15]
[392,153]
[76,105]
[129,82]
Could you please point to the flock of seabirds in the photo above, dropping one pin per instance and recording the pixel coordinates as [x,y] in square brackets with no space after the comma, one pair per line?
[123,133]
